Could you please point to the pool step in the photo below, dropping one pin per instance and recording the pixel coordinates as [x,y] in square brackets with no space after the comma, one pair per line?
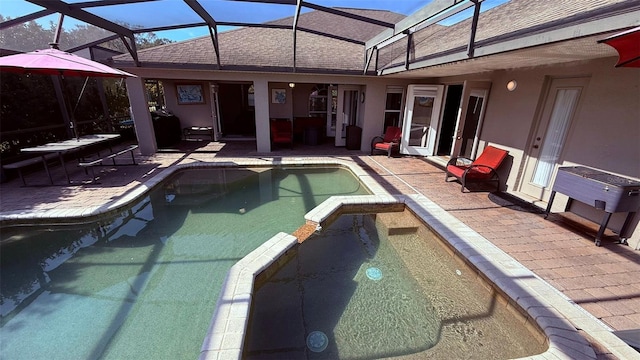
[402,230]
[396,223]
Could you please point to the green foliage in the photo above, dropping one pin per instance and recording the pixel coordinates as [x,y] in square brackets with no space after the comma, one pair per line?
[117,99]
[155,94]
[31,36]
[29,109]
[21,106]
[26,36]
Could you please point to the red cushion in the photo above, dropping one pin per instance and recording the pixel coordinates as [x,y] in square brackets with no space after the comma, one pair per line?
[475,173]
[384,146]
[491,157]
[392,134]
[281,132]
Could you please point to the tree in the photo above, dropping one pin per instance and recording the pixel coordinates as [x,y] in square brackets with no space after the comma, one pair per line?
[31,35]
[26,36]
[29,110]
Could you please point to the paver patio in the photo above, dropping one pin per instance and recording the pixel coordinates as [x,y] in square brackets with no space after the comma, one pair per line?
[604,280]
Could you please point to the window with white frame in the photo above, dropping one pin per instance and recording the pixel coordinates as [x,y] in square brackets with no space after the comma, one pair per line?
[393,107]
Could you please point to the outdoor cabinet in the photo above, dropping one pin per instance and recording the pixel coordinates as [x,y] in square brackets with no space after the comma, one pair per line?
[601,190]
[354,137]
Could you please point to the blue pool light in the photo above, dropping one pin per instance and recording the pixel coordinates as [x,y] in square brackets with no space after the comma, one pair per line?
[317,341]
[374,273]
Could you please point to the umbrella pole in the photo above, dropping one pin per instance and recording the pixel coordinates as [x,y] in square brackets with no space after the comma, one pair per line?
[61,94]
[73,111]
[72,124]
[84,86]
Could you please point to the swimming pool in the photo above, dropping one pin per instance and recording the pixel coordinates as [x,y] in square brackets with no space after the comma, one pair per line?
[143,284]
[373,286]
[515,288]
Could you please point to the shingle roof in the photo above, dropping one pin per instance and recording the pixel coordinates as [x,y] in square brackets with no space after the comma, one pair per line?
[509,18]
[268,49]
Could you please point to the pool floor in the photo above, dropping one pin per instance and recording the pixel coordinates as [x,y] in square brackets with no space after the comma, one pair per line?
[381,286]
[144,285]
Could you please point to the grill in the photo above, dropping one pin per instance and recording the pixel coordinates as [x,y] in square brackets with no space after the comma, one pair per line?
[601,190]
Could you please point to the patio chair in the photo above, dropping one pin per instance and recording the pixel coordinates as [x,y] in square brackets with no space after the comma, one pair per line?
[389,142]
[281,132]
[483,169]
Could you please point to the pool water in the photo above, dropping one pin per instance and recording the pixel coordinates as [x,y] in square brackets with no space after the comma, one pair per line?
[378,286]
[143,285]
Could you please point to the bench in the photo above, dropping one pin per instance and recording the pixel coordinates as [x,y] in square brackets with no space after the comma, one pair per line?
[99,162]
[18,165]
[188,132]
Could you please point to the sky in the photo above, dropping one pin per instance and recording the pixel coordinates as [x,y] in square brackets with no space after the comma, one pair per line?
[173,12]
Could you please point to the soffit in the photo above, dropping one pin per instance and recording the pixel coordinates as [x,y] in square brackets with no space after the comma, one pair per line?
[582,49]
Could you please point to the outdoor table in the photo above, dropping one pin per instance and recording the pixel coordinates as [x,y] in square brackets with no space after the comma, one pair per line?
[68,146]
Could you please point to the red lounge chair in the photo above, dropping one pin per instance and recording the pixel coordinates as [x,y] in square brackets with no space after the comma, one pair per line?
[390,142]
[482,169]
[281,132]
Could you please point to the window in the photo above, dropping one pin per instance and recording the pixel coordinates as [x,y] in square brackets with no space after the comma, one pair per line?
[393,107]
[318,101]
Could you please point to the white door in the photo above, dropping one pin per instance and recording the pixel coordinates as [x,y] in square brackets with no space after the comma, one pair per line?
[422,115]
[470,116]
[545,150]
[215,112]
[348,106]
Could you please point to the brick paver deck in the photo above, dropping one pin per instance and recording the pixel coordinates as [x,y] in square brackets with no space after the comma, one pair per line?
[604,280]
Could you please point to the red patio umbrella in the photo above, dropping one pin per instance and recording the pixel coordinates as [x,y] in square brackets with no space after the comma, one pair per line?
[627,44]
[56,62]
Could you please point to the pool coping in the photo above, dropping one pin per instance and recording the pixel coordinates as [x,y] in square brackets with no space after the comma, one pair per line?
[17,216]
[557,316]
[540,305]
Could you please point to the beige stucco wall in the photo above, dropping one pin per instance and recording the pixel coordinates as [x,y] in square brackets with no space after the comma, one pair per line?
[605,133]
[192,114]
[281,110]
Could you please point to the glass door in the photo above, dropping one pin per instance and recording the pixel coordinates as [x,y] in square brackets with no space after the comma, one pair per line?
[545,152]
[470,116]
[347,111]
[422,114]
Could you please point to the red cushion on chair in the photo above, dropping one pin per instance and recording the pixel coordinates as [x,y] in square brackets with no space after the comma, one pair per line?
[491,157]
[384,146]
[281,132]
[392,134]
[475,173]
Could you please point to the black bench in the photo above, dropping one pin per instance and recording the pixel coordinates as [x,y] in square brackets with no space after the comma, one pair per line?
[189,132]
[18,165]
[99,162]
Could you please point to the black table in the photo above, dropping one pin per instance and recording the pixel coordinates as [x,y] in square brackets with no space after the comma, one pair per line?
[601,190]
[68,146]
